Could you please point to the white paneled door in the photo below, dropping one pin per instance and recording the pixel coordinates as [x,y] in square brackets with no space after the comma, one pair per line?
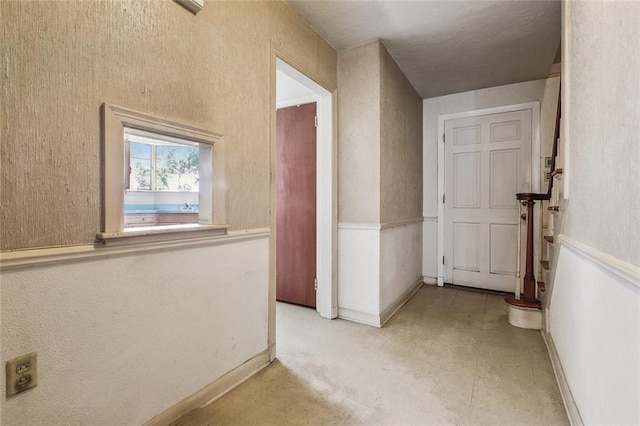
[487,161]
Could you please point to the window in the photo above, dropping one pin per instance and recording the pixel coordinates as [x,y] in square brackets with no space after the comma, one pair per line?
[156,164]
[160,177]
[162,180]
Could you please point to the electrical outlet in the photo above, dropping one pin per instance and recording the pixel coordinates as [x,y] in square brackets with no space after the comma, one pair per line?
[22,373]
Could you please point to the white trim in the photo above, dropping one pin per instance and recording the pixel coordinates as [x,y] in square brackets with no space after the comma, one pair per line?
[380,320]
[213,391]
[365,318]
[615,266]
[565,392]
[22,259]
[326,187]
[194,6]
[160,233]
[430,218]
[395,224]
[360,226]
[212,192]
[150,123]
[379,226]
[430,280]
[400,302]
[535,167]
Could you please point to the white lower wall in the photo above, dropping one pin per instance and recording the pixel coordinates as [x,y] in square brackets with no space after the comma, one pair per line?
[378,269]
[430,249]
[121,338]
[358,272]
[595,325]
[400,263]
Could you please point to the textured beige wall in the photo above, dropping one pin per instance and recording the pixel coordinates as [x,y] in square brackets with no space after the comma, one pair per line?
[400,144]
[359,134]
[602,116]
[61,61]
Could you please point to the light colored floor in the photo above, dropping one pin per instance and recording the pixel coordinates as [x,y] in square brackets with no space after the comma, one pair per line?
[447,357]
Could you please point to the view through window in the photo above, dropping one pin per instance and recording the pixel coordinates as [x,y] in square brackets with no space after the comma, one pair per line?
[161,181]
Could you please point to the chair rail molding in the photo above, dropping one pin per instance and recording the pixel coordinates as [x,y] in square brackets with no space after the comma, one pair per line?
[21,259]
[622,269]
[194,6]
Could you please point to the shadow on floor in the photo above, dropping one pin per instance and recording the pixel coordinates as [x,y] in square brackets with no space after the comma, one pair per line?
[274,396]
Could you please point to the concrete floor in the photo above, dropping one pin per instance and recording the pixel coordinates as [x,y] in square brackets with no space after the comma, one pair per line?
[447,357]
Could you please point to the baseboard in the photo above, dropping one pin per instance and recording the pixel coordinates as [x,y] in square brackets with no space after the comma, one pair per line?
[360,317]
[430,280]
[334,312]
[567,397]
[212,391]
[399,303]
[272,352]
[375,320]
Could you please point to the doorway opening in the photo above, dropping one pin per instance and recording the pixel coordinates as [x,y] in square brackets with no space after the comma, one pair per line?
[311,204]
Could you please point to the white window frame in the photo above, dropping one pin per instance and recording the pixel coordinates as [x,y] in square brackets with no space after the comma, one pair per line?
[212,216]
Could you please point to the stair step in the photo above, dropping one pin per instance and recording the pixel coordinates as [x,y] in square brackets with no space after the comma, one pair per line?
[556,172]
[554,208]
[548,238]
[542,286]
[545,264]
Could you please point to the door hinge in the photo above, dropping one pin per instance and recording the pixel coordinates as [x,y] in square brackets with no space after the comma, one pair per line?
[315,121]
[315,284]
[443,198]
[443,137]
[443,260]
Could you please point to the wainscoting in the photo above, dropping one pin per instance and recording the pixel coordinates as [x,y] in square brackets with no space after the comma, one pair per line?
[143,326]
[594,330]
[379,269]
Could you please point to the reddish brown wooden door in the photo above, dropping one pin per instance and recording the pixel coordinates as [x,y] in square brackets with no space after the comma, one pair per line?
[296,204]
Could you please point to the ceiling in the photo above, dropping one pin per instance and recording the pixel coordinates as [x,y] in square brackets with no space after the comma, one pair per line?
[446,47]
[287,89]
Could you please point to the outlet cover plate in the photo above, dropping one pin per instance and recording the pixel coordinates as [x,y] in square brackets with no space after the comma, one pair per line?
[22,373]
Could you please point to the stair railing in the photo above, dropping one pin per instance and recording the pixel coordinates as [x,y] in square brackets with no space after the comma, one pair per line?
[528,297]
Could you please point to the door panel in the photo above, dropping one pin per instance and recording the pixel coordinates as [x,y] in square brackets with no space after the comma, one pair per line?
[467,184]
[503,259]
[504,179]
[487,161]
[466,237]
[296,204]
[466,135]
[505,131]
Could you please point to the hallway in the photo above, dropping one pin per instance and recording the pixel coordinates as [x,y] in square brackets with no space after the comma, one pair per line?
[447,357]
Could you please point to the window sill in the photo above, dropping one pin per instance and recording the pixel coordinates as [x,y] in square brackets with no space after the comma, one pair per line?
[152,234]
[157,191]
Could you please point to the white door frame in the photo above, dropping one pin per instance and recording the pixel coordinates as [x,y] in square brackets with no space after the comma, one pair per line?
[535,168]
[326,192]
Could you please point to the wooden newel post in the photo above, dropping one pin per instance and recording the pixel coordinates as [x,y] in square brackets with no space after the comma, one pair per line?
[528,295]
[529,291]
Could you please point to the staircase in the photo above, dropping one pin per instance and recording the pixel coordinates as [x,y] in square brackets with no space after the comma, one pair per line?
[525,307]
